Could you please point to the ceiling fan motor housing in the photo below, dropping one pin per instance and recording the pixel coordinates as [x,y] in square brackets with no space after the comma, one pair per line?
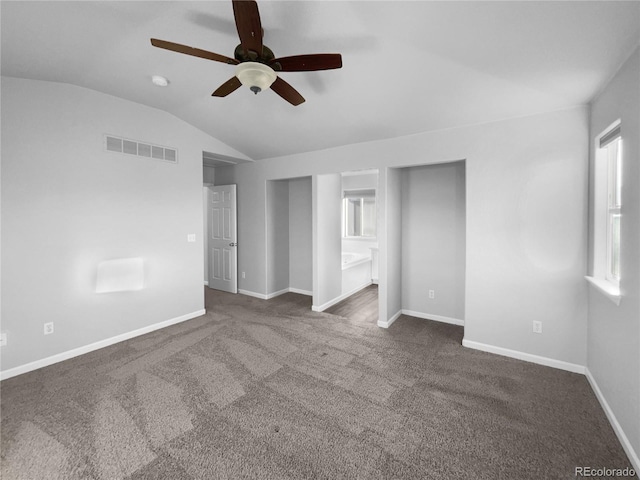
[242,55]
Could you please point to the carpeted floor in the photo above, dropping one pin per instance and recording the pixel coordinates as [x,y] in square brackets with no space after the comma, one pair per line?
[270,390]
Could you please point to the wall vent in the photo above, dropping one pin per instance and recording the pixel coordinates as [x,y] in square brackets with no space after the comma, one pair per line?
[140,149]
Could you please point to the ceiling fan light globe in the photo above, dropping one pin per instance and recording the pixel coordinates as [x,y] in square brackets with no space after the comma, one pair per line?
[256,76]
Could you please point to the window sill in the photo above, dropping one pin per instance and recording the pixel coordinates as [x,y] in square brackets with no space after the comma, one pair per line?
[610,291]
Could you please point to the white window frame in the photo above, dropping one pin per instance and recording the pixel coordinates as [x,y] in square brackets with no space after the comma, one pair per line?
[614,204]
[361,195]
[607,206]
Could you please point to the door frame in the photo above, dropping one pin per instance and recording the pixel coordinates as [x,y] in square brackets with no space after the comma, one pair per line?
[230,238]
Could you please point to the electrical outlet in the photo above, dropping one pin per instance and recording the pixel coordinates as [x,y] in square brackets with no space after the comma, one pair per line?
[537,326]
[48,328]
[3,339]
[191,237]
[432,294]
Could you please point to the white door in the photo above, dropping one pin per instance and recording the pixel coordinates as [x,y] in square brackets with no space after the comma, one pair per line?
[222,233]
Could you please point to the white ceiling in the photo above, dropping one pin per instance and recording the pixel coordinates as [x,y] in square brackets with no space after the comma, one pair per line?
[408,67]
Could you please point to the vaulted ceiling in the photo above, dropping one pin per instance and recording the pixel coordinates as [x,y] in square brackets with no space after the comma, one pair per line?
[408,67]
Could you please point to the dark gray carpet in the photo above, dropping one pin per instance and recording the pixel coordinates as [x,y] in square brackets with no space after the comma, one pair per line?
[269,390]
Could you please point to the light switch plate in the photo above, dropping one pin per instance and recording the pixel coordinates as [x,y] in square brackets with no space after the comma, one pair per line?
[191,237]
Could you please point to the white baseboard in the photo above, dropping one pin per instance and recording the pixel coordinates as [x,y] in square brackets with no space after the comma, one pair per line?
[527,357]
[338,299]
[634,458]
[309,293]
[269,296]
[253,294]
[437,318]
[626,444]
[59,357]
[387,324]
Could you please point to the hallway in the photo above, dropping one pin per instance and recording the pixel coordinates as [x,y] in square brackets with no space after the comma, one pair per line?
[361,306]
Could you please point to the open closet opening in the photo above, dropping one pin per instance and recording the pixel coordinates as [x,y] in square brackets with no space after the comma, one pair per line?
[426,243]
[289,236]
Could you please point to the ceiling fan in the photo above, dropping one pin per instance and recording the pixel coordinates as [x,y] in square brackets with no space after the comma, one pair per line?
[256,63]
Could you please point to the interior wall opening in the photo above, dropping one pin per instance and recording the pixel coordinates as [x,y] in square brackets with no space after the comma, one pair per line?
[433,241]
[289,236]
[359,246]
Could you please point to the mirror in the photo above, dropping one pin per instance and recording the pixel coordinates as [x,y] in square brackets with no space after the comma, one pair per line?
[359,213]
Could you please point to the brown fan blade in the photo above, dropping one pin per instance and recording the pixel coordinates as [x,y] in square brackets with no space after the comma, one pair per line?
[248,24]
[287,92]
[227,87]
[307,63]
[196,52]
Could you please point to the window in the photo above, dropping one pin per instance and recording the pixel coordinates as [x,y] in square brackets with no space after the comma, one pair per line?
[359,214]
[608,212]
[614,202]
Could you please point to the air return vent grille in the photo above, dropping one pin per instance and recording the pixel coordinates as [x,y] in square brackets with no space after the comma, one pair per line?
[140,149]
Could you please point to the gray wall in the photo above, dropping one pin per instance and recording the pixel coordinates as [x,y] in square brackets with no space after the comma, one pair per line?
[614,331]
[277,246]
[300,240]
[289,241]
[208,174]
[433,239]
[67,205]
[522,263]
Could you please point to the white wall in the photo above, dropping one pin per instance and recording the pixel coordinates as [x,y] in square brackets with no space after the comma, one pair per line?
[277,215]
[327,263]
[67,205]
[433,239]
[360,180]
[614,331]
[300,239]
[390,226]
[525,256]
[526,236]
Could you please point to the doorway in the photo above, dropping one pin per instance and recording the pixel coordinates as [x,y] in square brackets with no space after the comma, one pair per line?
[221,241]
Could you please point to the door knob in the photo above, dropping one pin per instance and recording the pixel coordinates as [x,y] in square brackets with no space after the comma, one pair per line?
[232,244]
